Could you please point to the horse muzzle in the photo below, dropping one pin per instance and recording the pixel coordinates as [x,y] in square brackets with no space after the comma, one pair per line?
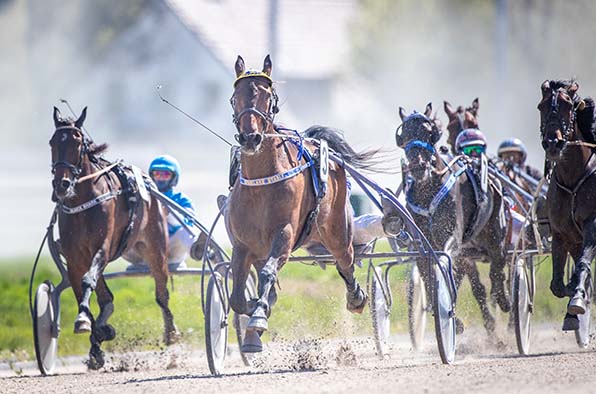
[63,188]
[553,148]
[249,142]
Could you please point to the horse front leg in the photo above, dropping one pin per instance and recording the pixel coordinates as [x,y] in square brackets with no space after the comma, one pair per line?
[479,292]
[582,273]
[559,259]
[498,290]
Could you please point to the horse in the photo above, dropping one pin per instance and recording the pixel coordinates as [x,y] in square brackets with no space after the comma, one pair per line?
[457,221]
[460,119]
[568,141]
[274,207]
[102,216]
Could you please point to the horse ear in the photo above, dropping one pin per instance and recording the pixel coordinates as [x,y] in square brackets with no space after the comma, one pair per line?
[448,109]
[79,122]
[475,106]
[429,110]
[402,113]
[57,117]
[239,66]
[573,88]
[545,87]
[436,135]
[267,66]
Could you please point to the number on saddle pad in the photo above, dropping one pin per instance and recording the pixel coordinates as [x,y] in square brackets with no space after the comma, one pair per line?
[323,164]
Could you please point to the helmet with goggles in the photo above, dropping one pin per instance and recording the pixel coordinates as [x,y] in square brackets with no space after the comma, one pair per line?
[165,172]
[470,142]
[512,145]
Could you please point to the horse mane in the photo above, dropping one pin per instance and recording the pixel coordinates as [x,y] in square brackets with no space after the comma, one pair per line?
[586,120]
[369,160]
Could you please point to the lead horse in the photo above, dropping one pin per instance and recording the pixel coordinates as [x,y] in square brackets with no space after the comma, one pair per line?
[102,216]
[274,206]
[566,131]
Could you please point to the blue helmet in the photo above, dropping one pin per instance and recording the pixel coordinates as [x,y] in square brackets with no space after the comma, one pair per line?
[165,163]
[512,145]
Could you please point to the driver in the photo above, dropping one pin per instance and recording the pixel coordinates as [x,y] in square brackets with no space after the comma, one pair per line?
[513,153]
[165,172]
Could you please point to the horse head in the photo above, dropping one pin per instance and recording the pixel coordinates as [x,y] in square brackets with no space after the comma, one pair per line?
[254,103]
[69,145]
[417,136]
[460,119]
[558,107]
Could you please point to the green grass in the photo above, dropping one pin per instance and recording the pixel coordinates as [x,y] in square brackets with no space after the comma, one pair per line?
[311,303]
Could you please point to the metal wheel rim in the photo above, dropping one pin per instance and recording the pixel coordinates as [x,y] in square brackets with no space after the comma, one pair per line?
[523,312]
[417,308]
[46,346]
[218,332]
[446,319]
[380,310]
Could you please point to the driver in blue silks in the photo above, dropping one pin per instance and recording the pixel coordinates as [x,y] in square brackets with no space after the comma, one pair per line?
[165,172]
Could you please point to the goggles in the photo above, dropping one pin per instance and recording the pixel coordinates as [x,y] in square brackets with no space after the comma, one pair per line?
[162,175]
[473,150]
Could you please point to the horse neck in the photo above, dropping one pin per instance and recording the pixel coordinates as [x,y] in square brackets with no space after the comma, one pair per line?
[272,158]
[573,166]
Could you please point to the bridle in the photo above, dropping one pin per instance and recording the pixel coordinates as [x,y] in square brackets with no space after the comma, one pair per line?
[267,117]
[75,169]
[553,116]
[416,143]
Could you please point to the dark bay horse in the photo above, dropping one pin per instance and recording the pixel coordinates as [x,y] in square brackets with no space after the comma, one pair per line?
[460,119]
[274,207]
[457,222]
[101,217]
[570,150]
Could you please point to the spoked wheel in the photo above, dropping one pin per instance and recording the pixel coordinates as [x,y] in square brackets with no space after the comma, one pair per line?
[417,305]
[582,334]
[522,303]
[443,309]
[44,335]
[379,309]
[241,321]
[216,325]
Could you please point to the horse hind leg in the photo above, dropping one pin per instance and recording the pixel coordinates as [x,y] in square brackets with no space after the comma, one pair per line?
[105,299]
[159,271]
[582,273]
[356,298]
[479,292]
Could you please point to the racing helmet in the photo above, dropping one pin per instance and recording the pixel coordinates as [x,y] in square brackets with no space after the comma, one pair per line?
[470,141]
[512,145]
[165,163]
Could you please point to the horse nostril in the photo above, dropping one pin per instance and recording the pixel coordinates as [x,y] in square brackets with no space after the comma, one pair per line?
[258,138]
[65,184]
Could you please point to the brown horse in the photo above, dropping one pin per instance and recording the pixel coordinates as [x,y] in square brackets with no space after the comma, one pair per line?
[569,148]
[270,212]
[460,119]
[102,216]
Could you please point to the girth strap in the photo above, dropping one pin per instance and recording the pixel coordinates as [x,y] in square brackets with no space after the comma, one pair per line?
[438,198]
[90,204]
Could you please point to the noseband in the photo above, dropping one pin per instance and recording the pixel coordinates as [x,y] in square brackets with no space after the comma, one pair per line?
[75,169]
[266,116]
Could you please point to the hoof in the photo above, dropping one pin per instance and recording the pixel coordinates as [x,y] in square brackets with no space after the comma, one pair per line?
[459,326]
[570,323]
[356,301]
[252,342]
[82,324]
[576,306]
[258,321]
[96,360]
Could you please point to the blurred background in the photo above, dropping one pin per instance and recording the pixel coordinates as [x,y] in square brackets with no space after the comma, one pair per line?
[343,63]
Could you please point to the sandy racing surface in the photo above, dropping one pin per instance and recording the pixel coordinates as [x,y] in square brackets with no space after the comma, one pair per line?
[334,366]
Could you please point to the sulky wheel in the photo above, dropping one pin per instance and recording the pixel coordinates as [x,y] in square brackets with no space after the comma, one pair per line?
[444,314]
[216,327]
[241,321]
[417,306]
[522,303]
[379,310]
[45,328]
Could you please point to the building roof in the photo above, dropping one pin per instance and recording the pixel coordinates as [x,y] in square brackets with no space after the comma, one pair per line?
[312,35]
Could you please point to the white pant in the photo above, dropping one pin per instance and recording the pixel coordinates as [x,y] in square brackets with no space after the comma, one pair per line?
[368,227]
[179,245]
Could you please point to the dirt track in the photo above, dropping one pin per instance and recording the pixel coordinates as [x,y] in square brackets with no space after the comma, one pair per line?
[556,365]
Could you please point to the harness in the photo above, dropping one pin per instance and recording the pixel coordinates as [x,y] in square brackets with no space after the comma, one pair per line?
[573,192]
[438,198]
